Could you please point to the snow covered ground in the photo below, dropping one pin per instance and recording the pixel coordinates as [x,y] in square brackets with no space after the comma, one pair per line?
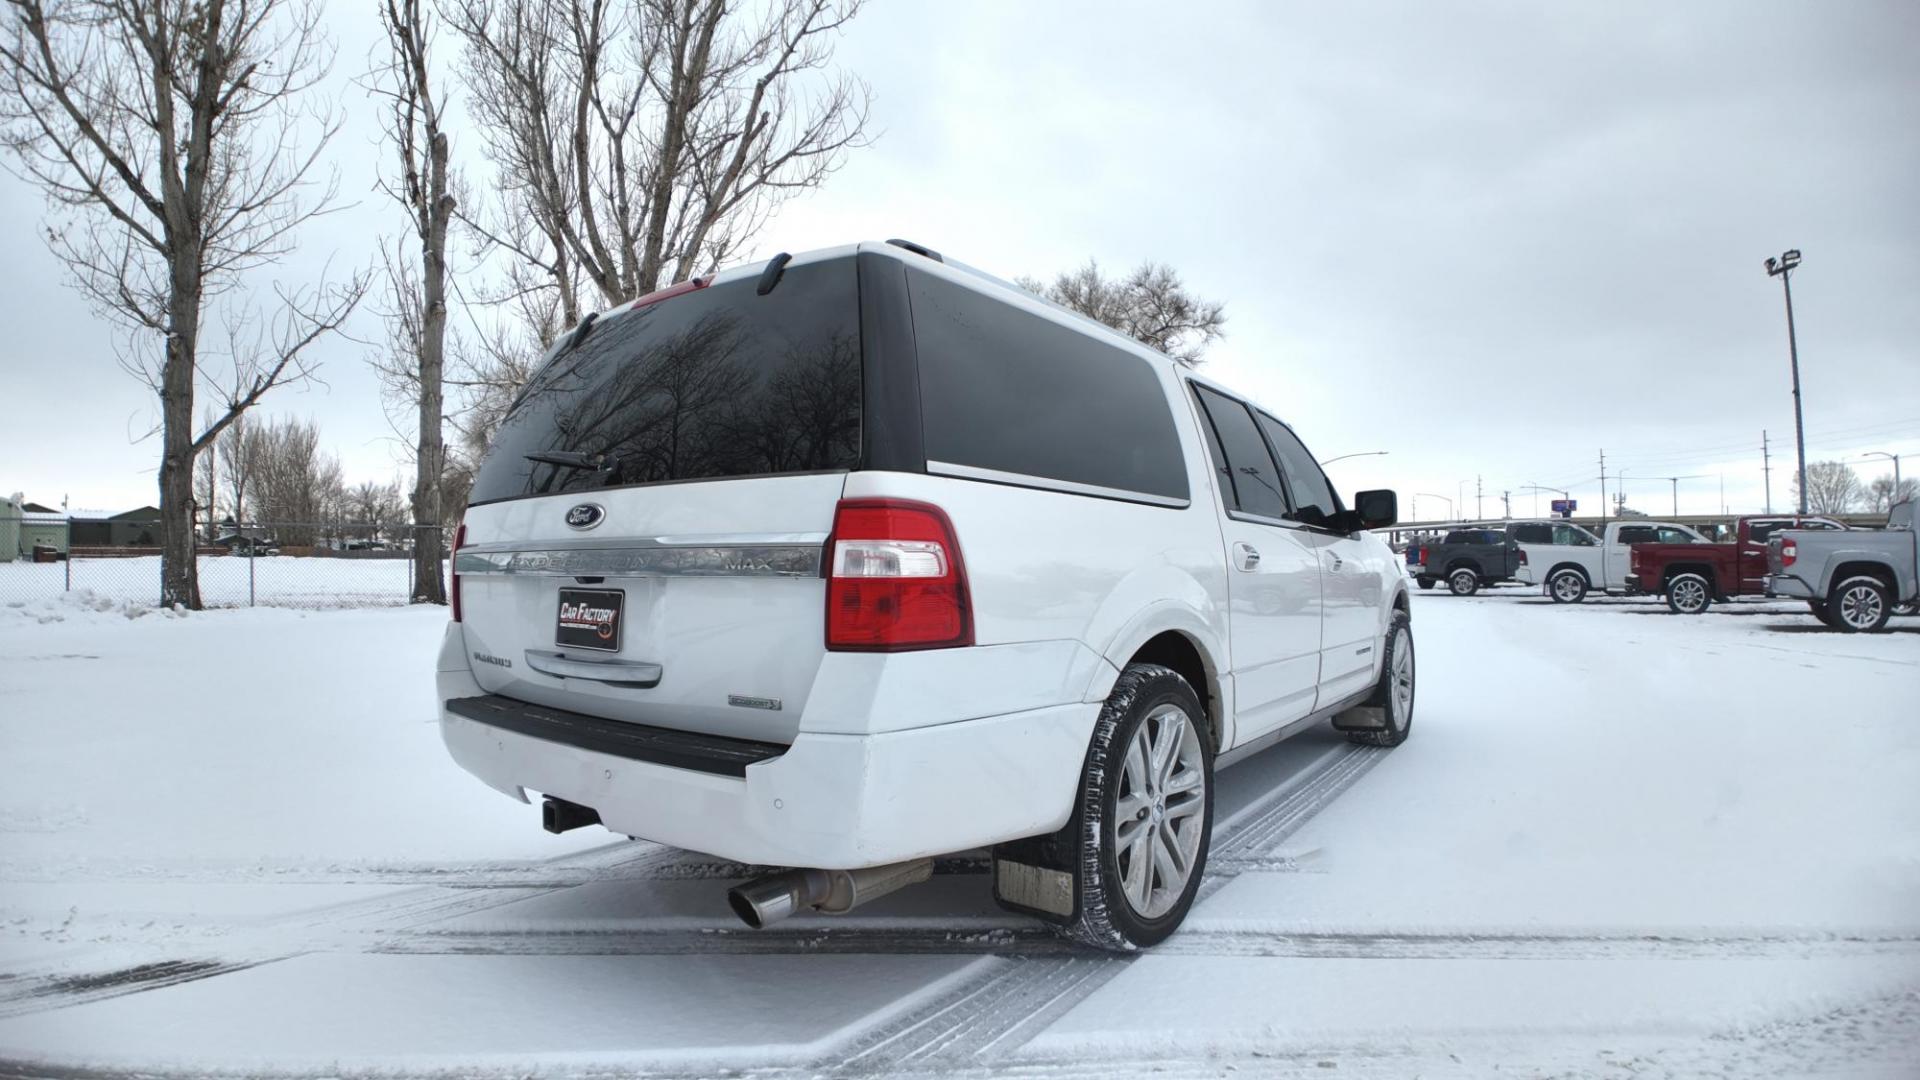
[1619,843]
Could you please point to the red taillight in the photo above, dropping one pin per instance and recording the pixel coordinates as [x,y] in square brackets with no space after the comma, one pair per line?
[453,572]
[670,292]
[894,578]
[1789,551]
[1419,556]
[1523,555]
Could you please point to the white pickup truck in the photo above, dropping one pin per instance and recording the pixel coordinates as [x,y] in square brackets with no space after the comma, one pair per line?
[1569,561]
[1853,580]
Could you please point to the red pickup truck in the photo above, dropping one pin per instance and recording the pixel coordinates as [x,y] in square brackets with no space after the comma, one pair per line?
[1693,576]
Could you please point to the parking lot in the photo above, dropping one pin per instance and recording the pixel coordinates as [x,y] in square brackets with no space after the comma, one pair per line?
[1619,841]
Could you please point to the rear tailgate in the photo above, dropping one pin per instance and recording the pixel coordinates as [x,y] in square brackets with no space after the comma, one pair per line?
[700,607]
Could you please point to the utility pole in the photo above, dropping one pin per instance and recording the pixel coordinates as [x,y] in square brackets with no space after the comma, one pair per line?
[1479,504]
[1766,470]
[1506,505]
[1603,491]
[1782,268]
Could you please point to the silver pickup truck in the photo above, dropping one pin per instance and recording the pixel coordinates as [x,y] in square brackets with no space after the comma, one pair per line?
[1854,580]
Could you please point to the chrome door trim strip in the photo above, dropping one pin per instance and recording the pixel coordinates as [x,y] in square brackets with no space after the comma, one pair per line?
[739,557]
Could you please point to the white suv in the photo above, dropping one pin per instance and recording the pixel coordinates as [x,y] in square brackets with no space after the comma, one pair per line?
[863,557]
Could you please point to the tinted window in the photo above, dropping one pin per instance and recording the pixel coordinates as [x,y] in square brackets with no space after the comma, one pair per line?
[1307,484]
[1669,535]
[1532,533]
[1255,482]
[1475,536]
[1005,389]
[1759,531]
[1572,537]
[1638,534]
[716,382]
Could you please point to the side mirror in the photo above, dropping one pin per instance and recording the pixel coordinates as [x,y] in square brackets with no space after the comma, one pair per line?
[1376,509]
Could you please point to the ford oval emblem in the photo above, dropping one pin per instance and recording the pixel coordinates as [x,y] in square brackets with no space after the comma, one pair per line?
[585,516]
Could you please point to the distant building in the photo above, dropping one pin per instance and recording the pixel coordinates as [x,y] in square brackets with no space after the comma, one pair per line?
[139,527]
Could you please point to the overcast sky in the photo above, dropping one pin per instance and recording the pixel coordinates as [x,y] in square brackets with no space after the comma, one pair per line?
[1492,240]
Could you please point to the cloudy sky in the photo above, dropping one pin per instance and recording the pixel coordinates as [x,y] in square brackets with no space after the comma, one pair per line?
[1492,240]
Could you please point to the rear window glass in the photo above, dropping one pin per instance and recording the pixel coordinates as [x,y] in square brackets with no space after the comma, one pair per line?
[713,383]
[1532,534]
[1008,390]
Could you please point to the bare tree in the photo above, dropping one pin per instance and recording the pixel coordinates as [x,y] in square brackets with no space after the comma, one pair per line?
[1884,492]
[233,447]
[648,142]
[1832,488]
[163,132]
[1149,305]
[206,481]
[297,486]
[414,370]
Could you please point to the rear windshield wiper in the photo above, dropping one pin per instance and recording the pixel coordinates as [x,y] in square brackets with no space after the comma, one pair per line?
[569,458]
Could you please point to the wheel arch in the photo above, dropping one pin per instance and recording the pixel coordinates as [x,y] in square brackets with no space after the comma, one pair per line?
[1705,570]
[1574,566]
[1183,632]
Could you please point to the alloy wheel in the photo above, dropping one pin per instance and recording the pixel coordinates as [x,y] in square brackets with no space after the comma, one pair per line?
[1566,587]
[1158,811]
[1860,606]
[1402,694]
[1689,595]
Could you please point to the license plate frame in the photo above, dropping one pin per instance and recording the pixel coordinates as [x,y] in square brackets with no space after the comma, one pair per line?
[589,619]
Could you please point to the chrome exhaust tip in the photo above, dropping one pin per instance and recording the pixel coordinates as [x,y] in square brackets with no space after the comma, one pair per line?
[768,899]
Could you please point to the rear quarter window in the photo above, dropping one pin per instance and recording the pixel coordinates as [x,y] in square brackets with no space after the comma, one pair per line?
[1004,389]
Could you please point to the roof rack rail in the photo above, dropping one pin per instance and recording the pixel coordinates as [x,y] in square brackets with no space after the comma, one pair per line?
[918,249]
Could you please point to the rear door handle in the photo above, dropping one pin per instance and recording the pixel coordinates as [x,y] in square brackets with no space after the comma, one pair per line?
[630,673]
[1245,556]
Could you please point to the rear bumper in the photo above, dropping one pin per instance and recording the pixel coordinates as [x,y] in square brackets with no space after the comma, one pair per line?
[832,801]
[1524,575]
[1790,586]
[1633,586]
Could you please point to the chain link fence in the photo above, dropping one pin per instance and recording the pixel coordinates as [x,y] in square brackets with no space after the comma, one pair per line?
[263,564]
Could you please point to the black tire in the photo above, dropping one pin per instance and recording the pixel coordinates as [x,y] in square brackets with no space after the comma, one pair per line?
[1689,594]
[1425,582]
[1859,605]
[1567,586]
[1399,718]
[1463,581]
[1107,917]
[1820,611]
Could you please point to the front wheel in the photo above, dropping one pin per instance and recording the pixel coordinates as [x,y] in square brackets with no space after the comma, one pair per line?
[1567,587]
[1689,594]
[1859,605]
[1394,692]
[1463,582]
[1146,803]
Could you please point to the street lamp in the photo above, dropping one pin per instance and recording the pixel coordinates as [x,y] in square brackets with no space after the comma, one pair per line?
[1895,458]
[1536,489]
[1362,453]
[1782,268]
[1442,498]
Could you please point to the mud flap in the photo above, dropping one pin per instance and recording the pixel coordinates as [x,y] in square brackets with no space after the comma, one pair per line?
[1361,718]
[1036,877]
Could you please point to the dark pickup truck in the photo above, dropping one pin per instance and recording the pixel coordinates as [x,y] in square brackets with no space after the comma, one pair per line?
[1466,560]
[1693,576]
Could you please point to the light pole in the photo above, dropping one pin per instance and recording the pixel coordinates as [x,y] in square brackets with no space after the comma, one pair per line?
[1782,268]
[1442,498]
[1343,457]
[1896,471]
[1537,489]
